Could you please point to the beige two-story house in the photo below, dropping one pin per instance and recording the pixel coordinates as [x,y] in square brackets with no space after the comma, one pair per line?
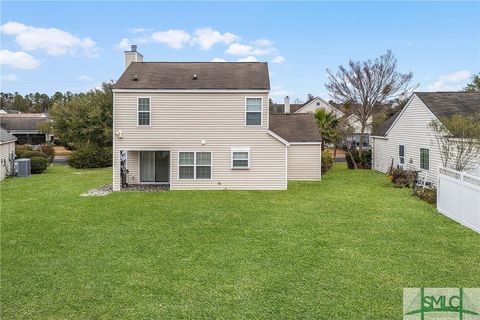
[206,125]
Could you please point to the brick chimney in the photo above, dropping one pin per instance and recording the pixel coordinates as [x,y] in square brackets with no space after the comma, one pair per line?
[287,104]
[132,56]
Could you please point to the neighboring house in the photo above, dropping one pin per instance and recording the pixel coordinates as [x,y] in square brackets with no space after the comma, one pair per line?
[406,139]
[7,153]
[312,105]
[205,125]
[25,126]
[304,151]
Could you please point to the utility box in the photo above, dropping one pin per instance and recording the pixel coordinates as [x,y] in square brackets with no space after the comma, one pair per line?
[22,167]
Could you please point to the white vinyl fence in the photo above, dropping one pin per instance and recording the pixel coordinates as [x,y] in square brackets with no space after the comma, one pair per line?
[458,197]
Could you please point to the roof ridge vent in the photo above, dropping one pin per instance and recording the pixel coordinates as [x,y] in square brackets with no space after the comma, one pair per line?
[194,76]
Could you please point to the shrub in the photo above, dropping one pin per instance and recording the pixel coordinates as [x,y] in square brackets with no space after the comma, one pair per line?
[31,153]
[90,156]
[427,194]
[48,151]
[20,149]
[327,161]
[365,163]
[38,164]
[403,178]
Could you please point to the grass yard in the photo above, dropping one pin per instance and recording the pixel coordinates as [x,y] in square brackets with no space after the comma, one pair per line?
[343,248]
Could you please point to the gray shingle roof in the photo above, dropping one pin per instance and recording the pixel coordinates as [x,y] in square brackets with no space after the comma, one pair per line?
[210,75]
[446,104]
[383,128]
[21,121]
[295,127]
[6,137]
[441,104]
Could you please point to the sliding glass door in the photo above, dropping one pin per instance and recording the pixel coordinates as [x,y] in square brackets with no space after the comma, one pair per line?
[155,166]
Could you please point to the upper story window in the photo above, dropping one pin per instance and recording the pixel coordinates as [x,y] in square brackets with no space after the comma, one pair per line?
[424,159]
[253,111]
[401,153]
[143,111]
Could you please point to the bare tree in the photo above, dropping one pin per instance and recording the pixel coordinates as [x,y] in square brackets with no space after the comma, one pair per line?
[458,139]
[366,85]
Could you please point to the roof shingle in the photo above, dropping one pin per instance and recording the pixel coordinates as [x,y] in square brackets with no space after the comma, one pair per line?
[209,75]
[6,137]
[295,127]
[22,121]
[441,104]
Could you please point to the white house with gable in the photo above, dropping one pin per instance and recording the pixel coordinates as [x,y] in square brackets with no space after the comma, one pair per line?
[406,139]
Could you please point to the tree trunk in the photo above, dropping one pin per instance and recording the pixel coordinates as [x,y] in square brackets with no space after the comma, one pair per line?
[353,159]
[360,147]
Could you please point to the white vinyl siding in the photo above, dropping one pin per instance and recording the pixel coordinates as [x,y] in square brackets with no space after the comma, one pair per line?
[253,111]
[181,122]
[304,162]
[412,131]
[6,150]
[143,115]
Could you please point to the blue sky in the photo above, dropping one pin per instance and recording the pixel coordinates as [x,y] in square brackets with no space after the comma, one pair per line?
[60,46]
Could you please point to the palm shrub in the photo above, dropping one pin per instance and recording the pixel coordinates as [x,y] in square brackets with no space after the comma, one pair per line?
[326,122]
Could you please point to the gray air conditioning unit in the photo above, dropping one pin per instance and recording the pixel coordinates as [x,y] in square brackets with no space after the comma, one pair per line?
[22,167]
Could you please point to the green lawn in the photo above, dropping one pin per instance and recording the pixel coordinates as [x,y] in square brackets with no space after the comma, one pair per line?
[343,248]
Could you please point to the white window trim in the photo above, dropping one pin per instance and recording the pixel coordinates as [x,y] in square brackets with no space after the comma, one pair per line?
[239,149]
[149,112]
[420,159]
[194,165]
[261,112]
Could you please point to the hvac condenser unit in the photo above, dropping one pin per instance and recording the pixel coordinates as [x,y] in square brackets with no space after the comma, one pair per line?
[22,167]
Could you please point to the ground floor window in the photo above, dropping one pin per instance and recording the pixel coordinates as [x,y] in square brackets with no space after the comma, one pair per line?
[424,159]
[195,165]
[240,158]
[401,153]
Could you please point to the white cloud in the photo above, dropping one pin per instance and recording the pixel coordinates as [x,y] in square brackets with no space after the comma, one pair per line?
[278,60]
[248,59]
[137,30]
[18,59]
[124,44]
[9,77]
[53,41]
[238,49]
[263,43]
[207,37]
[174,38]
[84,78]
[218,60]
[450,82]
